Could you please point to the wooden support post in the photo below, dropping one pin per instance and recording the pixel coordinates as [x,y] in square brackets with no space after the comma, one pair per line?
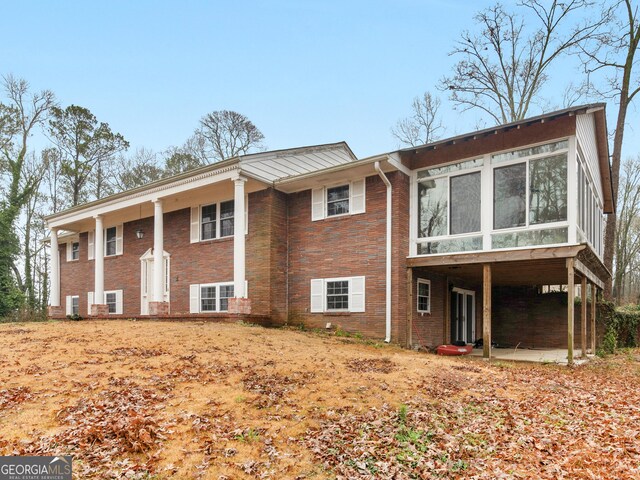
[486,310]
[594,295]
[447,312]
[571,295]
[583,317]
[410,307]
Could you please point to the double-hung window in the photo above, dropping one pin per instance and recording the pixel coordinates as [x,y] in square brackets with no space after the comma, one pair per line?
[111,299]
[110,241]
[208,214]
[211,297]
[73,305]
[345,294]
[424,296]
[338,200]
[75,251]
[337,295]
[216,220]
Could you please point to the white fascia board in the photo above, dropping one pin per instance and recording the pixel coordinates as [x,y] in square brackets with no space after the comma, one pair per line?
[394,159]
[144,196]
[288,184]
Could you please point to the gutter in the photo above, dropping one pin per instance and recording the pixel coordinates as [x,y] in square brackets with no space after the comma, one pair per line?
[386,181]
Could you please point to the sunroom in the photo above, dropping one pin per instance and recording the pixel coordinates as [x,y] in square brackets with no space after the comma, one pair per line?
[518,206]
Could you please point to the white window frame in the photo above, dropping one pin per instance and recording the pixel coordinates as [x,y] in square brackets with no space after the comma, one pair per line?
[319,288]
[119,301]
[196,220]
[326,294]
[357,199]
[197,288]
[70,251]
[422,281]
[487,185]
[119,242]
[69,304]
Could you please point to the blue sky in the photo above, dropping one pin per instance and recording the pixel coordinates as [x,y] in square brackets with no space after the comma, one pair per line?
[304,72]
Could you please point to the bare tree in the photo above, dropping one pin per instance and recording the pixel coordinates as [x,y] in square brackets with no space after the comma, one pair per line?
[226,134]
[628,228]
[504,67]
[19,118]
[136,170]
[423,125]
[613,52]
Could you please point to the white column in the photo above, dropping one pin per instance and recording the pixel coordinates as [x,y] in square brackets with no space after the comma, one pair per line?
[98,292]
[238,238]
[54,299]
[158,249]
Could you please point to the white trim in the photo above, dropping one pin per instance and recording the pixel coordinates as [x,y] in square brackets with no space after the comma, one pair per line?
[422,281]
[69,304]
[357,298]
[217,221]
[118,240]
[199,286]
[146,259]
[118,294]
[465,294]
[357,200]
[69,248]
[146,195]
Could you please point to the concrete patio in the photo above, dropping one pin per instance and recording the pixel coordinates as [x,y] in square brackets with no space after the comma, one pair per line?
[539,355]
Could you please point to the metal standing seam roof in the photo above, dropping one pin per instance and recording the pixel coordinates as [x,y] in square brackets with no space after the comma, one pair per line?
[268,167]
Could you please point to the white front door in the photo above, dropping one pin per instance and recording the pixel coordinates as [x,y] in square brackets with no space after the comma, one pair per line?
[146,280]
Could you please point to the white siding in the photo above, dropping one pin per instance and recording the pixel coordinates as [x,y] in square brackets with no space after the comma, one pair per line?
[586,134]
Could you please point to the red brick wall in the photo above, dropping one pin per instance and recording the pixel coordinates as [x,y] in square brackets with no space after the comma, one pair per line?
[202,262]
[521,316]
[351,245]
[400,251]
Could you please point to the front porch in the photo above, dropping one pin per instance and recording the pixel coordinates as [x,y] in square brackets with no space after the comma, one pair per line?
[525,315]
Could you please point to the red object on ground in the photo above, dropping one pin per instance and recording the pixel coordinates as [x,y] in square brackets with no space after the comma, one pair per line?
[453,350]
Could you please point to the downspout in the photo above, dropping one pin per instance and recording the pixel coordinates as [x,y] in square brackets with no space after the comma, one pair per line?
[386,181]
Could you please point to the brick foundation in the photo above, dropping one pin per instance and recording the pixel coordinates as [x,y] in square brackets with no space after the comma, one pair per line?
[158,309]
[99,310]
[55,312]
[240,305]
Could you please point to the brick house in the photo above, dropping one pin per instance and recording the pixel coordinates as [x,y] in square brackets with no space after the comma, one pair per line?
[463,238]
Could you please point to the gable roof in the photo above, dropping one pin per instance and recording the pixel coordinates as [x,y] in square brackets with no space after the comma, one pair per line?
[558,117]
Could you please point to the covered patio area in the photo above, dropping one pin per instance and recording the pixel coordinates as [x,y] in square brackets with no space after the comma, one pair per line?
[535,355]
[511,274]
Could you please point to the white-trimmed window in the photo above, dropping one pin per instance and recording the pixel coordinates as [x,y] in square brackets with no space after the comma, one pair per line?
[215,220]
[73,305]
[112,242]
[211,297]
[337,200]
[345,294]
[73,251]
[112,298]
[423,296]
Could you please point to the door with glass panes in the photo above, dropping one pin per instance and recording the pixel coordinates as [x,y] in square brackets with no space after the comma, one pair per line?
[463,315]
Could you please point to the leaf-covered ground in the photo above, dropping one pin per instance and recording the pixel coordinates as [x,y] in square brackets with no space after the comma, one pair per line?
[162,400]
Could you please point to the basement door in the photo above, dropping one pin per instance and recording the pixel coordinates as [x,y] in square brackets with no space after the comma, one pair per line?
[463,315]
[147,268]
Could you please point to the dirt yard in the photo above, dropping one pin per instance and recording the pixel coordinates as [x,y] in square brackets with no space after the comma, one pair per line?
[215,401]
